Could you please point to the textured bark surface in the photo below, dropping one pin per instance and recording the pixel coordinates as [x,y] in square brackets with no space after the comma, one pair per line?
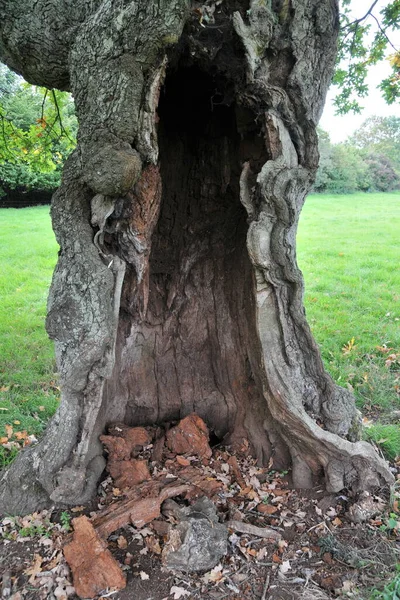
[177,288]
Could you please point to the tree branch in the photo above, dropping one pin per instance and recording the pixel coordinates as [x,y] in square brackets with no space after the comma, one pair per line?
[358,21]
[383,32]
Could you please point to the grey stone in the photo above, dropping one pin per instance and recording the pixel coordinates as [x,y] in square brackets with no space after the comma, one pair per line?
[199,541]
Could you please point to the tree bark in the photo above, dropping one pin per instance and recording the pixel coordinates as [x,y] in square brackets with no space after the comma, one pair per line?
[177,288]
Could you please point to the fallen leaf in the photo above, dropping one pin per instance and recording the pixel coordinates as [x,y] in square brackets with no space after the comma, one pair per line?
[60,593]
[76,509]
[214,576]
[21,435]
[178,592]
[348,586]
[282,544]
[3,440]
[267,509]
[337,522]
[41,408]
[9,430]
[122,542]
[17,422]
[35,568]
[153,544]
[181,460]
[144,575]
[285,567]
[276,559]
[5,388]
[262,553]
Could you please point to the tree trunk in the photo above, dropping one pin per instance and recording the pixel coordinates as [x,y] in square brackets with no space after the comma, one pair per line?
[177,288]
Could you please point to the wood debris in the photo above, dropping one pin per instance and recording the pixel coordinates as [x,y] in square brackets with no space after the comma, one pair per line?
[92,564]
[190,436]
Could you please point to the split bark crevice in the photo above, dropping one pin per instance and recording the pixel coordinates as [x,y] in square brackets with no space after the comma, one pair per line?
[177,288]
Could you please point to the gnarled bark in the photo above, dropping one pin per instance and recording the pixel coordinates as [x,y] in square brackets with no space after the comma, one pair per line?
[177,288]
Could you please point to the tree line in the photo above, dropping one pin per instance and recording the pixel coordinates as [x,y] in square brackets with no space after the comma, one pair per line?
[368,161]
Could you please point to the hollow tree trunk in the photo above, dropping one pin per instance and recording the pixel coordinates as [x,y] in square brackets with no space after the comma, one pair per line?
[177,288]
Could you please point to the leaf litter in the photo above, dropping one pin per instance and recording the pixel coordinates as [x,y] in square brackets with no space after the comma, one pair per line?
[319,549]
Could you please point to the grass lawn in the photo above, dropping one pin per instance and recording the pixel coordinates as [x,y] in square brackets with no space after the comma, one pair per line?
[28,393]
[348,249]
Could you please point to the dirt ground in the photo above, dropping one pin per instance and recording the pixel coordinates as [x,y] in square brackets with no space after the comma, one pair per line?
[324,552]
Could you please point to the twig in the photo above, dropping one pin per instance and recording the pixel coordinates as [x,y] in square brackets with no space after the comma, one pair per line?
[357,21]
[383,32]
[265,590]
[262,532]
[43,104]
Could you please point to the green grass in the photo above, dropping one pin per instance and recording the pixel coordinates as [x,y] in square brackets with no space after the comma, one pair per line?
[28,253]
[348,249]
[391,591]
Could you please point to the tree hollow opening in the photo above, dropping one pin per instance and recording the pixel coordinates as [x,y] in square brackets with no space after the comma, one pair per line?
[195,349]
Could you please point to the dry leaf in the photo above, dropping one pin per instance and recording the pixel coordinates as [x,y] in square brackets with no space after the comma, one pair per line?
[9,430]
[35,568]
[276,559]
[21,435]
[153,544]
[348,586]
[144,575]
[285,567]
[122,543]
[178,592]
[3,440]
[77,509]
[262,553]
[4,388]
[282,544]
[214,576]
[267,509]
[181,460]
[337,522]
[60,593]
[17,422]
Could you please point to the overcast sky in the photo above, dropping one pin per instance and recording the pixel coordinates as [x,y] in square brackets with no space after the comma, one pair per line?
[339,127]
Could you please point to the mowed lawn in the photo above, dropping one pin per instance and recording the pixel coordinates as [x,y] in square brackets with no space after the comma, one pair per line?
[349,251]
[28,388]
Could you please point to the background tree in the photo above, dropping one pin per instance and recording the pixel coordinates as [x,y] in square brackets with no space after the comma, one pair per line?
[380,136]
[365,41]
[367,161]
[177,288]
[38,131]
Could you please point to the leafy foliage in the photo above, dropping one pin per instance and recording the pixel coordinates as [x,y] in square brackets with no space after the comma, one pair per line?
[368,161]
[38,130]
[365,41]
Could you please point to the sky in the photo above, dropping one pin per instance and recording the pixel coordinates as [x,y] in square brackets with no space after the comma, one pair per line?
[341,126]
